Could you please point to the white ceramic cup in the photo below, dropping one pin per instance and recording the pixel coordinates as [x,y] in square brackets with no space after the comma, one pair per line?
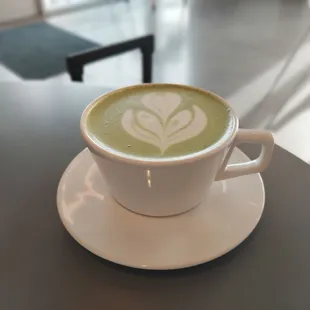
[170,186]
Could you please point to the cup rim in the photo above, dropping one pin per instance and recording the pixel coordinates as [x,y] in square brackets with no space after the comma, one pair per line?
[111,154]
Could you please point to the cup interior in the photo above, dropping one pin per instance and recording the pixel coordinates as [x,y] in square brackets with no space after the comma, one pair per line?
[106,151]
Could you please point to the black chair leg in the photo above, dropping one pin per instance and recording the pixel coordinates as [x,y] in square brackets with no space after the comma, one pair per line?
[147,67]
[75,71]
[147,59]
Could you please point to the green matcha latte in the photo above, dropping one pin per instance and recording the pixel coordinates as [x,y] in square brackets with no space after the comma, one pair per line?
[158,120]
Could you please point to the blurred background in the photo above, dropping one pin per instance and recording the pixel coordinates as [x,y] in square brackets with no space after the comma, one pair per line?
[254,53]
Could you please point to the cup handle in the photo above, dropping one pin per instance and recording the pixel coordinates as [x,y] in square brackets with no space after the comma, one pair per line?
[265,138]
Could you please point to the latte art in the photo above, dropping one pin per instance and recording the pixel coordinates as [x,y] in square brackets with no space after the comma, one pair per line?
[158,120]
[160,125]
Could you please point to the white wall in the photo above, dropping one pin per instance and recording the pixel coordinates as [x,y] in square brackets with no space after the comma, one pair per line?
[11,10]
[50,6]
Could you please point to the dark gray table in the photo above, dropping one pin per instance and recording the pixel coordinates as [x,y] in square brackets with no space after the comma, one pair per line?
[42,267]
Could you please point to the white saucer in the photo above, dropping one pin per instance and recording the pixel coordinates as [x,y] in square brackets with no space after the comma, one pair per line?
[102,226]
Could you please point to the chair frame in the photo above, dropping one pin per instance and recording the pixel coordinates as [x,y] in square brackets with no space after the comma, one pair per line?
[75,62]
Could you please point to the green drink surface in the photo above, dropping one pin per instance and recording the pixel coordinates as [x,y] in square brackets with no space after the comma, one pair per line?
[158,121]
